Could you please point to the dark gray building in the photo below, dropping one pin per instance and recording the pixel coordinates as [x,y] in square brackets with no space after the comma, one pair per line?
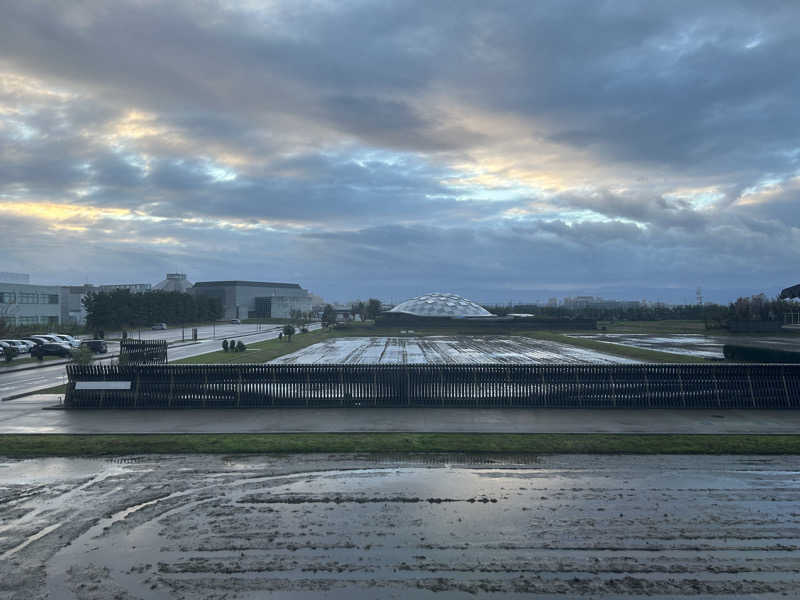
[256,299]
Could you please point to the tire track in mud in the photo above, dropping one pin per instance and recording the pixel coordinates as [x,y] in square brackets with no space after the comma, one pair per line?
[625,526]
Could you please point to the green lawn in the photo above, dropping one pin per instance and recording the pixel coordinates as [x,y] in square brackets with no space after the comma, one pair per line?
[656,327]
[32,445]
[19,362]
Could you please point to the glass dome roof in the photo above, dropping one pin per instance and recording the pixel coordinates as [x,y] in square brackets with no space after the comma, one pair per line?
[441,305]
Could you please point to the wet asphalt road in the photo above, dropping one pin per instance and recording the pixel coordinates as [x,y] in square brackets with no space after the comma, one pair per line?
[19,382]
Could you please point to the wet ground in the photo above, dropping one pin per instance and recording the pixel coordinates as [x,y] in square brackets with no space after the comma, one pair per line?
[400,527]
[707,346]
[445,349]
[26,415]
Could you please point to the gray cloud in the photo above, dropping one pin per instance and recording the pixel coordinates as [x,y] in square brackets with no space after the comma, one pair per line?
[348,127]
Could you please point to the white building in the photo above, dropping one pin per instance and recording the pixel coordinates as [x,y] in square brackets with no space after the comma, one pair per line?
[26,304]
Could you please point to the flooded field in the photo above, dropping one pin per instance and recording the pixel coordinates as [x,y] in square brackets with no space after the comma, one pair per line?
[400,526]
[707,346]
[445,349]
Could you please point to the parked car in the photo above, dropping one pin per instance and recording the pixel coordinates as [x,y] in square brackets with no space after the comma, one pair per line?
[159,326]
[28,344]
[236,321]
[96,346]
[47,338]
[19,345]
[35,341]
[51,350]
[73,342]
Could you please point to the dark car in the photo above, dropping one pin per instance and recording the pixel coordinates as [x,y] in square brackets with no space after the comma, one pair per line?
[96,346]
[50,350]
[36,341]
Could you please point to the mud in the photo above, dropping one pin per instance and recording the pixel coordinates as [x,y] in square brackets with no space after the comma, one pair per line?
[400,526]
[706,346]
[445,349]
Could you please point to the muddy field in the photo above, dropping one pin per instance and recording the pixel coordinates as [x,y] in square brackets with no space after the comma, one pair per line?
[445,349]
[399,527]
[707,346]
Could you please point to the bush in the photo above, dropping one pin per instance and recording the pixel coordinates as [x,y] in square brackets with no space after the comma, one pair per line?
[240,347]
[9,354]
[224,345]
[288,331]
[83,355]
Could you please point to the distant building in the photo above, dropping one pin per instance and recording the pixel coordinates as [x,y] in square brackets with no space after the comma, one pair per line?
[175,282]
[256,299]
[581,302]
[26,304]
[6,277]
[133,288]
[72,296]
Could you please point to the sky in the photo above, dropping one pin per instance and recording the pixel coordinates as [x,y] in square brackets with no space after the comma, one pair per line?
[505,151]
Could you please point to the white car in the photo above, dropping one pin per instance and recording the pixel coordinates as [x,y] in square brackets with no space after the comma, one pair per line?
[18,344]
[73,342]
[28,344]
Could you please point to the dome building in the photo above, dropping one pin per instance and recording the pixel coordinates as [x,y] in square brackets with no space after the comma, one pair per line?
[441,306]
[175,282]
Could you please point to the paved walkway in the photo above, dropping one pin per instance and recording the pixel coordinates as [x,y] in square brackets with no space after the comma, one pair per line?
[25,415]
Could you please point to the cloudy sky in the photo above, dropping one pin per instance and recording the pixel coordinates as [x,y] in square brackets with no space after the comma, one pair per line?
[501,150]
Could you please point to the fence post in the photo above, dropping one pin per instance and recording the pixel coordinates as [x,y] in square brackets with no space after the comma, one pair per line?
[785,387]
[171,385]
[136,393]
[750,384]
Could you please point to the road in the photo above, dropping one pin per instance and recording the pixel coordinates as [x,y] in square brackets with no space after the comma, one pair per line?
[20,382]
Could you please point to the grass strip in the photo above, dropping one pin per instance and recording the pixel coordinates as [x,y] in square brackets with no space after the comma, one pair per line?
[56,389]
[33,445]
[640,354]
[258,352]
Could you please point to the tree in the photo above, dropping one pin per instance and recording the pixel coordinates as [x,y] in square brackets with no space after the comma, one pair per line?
[5,320]
[362,310]
[240,347]
[224,345]
[354,310]
[288,331]
[328,316]
[373,308]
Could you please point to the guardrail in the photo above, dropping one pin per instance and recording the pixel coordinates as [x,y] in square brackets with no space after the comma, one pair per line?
[448,386]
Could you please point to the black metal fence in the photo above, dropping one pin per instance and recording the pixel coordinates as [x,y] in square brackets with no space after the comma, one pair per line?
[452,386]
[133,352]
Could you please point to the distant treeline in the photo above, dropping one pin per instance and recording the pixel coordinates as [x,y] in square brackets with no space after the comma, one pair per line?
[754,308]
[121,309]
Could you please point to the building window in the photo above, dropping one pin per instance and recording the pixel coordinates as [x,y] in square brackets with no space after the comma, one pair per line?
[7,298]
[28,298]
[52,298]
[28,320]
[52,320]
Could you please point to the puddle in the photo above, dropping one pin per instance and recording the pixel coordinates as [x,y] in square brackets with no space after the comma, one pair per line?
[407,525]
